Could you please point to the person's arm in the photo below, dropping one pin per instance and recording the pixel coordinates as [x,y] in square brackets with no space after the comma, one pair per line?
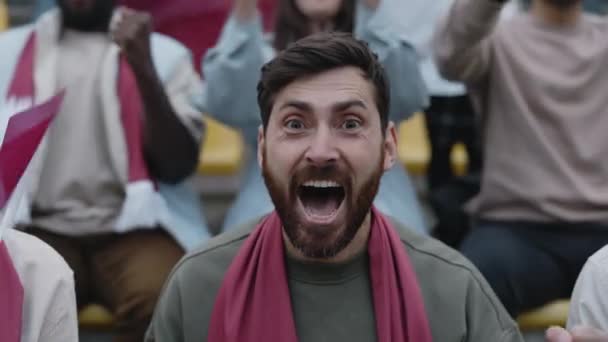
[487,318]
[462,39]
[167,322]
[170,150]
[375,24]
[589,303]
[61,319]
[232,70]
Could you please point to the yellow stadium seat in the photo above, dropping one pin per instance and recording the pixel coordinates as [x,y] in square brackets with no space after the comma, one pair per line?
[415,149]
[459,159]
[222,152]
[552,314]
[3,15]
[95,317]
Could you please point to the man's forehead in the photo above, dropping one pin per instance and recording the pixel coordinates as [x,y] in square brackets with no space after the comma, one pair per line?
[328,90]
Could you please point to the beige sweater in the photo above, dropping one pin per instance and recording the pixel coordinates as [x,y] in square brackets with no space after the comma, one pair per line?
[543,93]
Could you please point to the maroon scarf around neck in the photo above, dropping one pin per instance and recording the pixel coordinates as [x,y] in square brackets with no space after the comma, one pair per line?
[254,304]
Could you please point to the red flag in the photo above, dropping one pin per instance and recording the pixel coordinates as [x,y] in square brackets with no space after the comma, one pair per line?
[21,139]
[22,136]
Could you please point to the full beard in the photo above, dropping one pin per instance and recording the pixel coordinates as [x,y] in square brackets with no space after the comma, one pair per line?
[322,242]
[95,19]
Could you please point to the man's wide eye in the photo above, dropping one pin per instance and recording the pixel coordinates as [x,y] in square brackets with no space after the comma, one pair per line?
[351,124]
[294,124]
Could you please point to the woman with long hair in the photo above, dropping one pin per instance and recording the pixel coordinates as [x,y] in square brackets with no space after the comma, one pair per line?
[232,70]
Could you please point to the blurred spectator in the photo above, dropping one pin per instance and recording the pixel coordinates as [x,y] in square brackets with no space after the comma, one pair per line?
[232,70]
[49,301]
[540,82]
[588,318]
[36,284]
[450,120]
[196,24]
[450,117]
[125,126]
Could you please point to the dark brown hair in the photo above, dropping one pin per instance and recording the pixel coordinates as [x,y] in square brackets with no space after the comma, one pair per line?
[316,54]
[291,25]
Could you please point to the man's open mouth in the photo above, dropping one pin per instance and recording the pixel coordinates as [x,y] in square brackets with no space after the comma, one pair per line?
[321,199]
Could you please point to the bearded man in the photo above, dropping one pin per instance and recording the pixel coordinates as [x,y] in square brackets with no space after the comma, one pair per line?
[326,265]
[540,81]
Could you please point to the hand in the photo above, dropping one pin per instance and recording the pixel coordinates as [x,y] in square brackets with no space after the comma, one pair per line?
[131,30]
[578,334]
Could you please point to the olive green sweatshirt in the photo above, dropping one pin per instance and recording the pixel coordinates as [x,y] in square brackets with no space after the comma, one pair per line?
[334,302]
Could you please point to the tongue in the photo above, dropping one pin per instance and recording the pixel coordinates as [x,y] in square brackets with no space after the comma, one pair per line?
[320,203]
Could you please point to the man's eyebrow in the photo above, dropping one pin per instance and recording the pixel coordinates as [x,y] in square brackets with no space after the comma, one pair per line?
[344,105]
[337,107]
[303,106]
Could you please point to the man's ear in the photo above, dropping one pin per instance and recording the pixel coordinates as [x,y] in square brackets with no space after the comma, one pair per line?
[261,142]
[390,146]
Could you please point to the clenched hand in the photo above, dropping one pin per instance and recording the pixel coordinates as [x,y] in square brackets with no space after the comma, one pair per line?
[131,30]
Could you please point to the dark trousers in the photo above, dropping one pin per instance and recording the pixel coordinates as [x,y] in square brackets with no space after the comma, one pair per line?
[530,264]
[126,272]
[451,120]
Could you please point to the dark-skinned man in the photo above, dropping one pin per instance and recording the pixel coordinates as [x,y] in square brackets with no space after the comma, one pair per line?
[124,140]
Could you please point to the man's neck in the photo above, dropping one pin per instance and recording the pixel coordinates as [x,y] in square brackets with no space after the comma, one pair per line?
[555,15]
[354,248]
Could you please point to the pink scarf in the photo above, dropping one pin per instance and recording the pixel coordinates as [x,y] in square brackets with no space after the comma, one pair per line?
[254,304]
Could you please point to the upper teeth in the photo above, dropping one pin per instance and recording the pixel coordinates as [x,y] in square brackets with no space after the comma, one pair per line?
[322,184]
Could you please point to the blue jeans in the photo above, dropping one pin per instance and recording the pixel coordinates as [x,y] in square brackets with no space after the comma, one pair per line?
[396,198]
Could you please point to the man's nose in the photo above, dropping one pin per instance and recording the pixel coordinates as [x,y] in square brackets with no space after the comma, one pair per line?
[322,150]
